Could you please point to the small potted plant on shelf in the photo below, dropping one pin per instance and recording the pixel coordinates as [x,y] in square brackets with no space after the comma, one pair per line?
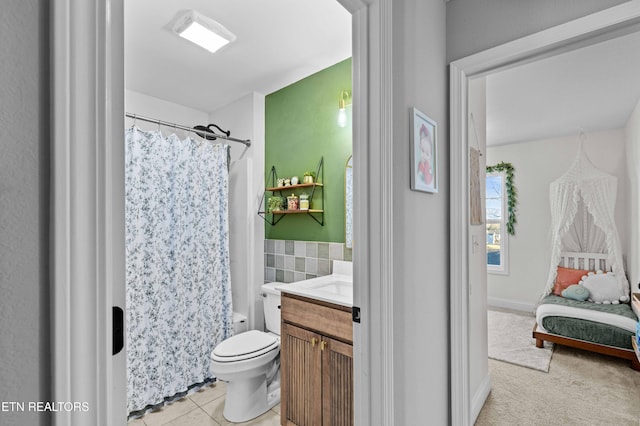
[309,177]
[275,204]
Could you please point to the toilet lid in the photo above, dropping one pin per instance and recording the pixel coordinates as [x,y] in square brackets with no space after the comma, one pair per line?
[245,345]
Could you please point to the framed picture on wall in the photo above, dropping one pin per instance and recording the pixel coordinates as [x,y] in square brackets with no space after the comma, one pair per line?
[424,148]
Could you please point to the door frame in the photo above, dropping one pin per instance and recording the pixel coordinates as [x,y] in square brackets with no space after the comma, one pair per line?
[610,23]
[87,187]
[87,211]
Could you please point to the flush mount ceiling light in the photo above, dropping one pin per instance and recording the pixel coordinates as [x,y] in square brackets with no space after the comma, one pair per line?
[203,31]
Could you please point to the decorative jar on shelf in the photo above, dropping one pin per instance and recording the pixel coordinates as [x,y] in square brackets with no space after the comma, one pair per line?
[292,202]
[295,180]
[304,201]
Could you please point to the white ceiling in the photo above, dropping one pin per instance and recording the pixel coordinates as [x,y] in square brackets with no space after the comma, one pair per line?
[594,88]
[281,41]
[278,42]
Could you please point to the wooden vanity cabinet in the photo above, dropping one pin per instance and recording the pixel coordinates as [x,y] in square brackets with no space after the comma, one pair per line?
[316,355]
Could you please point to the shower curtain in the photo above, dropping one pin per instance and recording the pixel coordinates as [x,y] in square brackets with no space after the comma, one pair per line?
[177,263]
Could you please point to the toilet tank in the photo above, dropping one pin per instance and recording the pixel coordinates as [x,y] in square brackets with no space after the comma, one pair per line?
[271,303]
[240,324]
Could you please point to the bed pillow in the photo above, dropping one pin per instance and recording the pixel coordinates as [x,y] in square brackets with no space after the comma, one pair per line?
[566,277]
[576,292]
[603,287]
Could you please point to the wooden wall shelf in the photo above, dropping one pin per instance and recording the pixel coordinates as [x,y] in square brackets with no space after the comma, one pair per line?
[285,188]
[272,218]
[296,211]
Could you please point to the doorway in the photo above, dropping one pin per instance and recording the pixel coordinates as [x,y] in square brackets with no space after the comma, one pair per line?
[617,21]
[88,115]
[170,79]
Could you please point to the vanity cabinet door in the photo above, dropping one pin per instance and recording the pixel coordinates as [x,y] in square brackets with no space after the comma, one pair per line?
[301,375]
[337,383]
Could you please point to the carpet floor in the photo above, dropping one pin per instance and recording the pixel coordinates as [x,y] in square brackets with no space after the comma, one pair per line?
[509,340]
[581,388]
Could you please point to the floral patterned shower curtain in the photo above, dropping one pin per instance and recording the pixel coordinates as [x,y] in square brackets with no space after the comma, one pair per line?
[177,263]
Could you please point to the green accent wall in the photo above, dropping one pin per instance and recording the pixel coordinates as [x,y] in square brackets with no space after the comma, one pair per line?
[301,127]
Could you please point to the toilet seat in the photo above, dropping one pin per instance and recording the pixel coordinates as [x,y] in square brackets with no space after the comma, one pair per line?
[251,344]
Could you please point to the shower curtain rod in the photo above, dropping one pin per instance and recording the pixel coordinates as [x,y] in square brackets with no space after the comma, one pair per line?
[246,142]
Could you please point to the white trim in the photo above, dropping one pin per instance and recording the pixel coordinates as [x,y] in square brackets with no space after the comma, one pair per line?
[599,26]
[511,304]
[115,397]
[373,230]
[459,293]
[61,195]
[480,397]
[88,210]
[383,185]
[363,379]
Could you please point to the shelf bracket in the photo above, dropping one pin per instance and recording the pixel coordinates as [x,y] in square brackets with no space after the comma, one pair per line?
[273,176]
[320,221]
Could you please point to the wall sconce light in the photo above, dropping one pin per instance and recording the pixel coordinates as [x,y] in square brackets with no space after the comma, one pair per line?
[345,99]
[203,31]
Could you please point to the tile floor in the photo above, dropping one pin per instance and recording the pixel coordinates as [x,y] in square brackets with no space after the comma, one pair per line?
[202,408]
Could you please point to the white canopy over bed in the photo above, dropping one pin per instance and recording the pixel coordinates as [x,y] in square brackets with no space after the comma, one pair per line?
[582,218]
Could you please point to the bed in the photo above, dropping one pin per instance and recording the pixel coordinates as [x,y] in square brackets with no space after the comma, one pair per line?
[603,328]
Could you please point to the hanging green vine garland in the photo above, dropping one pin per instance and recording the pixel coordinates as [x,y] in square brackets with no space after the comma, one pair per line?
[512,194]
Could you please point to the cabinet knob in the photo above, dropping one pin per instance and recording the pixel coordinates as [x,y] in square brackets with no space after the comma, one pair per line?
[323,345]
[313,342]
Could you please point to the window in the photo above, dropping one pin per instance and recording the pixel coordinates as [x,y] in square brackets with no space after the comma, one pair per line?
[496,211]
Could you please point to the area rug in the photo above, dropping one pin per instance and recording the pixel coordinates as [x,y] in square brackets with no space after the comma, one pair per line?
[510,341]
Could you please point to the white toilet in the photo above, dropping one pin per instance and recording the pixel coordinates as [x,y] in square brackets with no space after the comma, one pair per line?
[250,364]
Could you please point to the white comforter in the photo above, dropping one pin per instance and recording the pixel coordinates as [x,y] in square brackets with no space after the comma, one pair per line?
[552,310]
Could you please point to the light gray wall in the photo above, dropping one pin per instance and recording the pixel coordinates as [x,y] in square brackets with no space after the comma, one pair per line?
[477,25]
[421,231]
[152,107]
[24,208]
[421,239]
[632,145]
[245,118]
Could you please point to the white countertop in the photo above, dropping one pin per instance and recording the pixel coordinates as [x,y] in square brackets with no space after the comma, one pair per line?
[336,288]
